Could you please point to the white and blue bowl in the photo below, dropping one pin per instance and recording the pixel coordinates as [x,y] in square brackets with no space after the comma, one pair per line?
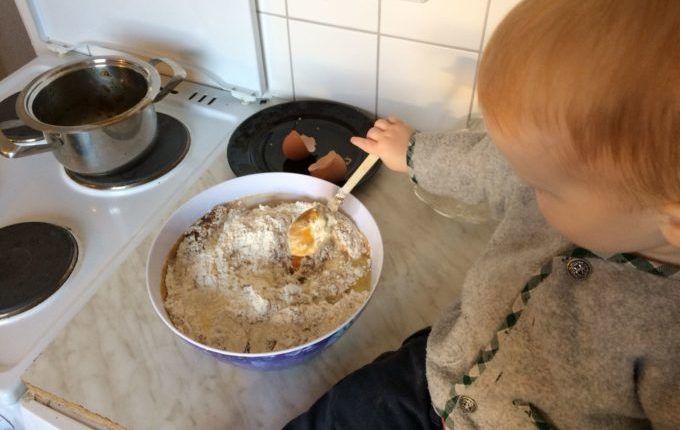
[255,189]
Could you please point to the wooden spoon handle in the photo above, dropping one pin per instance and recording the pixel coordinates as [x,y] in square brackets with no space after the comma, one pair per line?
[352,182]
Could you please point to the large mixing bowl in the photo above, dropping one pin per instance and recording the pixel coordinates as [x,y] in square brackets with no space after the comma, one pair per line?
[259,188]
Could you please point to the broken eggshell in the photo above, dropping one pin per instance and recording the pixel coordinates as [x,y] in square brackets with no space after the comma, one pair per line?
[330,167]
[294,147]
[309,141]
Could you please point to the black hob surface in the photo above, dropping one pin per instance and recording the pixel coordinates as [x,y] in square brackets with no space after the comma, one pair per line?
[37,258]
[171,144]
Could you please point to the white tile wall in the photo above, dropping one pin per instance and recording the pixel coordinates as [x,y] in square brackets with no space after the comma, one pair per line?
[333,63]
[274,32]
[272,6]
[427,86]
[422,77]
[497,11]
[449,22]
[359,14]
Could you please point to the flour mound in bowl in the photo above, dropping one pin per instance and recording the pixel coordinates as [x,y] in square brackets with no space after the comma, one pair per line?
[230,282]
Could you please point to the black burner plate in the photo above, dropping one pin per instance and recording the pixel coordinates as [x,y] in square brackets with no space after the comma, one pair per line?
[37,258]
[8,113]
[171,145]
[255,145]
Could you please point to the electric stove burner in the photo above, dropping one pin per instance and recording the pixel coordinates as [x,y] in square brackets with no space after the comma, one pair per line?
[10,124]
[37,258]
[171,145]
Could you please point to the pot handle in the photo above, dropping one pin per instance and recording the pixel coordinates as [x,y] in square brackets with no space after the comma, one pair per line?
[178,75]
[10,148]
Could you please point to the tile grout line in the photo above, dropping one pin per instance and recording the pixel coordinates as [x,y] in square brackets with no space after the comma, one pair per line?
[265,64]
[327,24]
[377,62]
[425,42]
[263,12]
[479,57]
[394,36]
[290,55]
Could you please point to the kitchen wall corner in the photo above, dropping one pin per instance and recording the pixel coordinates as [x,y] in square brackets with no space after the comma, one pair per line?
[15,46]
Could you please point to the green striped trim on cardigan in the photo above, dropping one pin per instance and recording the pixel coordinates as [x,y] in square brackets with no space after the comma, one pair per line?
[533,413]
[637,262]
[487,353]
[409,158]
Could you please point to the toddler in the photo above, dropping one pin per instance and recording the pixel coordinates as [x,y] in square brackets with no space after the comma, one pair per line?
[571,317]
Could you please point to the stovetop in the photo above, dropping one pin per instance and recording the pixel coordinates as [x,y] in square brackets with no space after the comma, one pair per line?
[107,224]
[169,148]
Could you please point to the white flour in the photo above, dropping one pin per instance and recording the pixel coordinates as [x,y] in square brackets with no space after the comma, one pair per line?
[230,284]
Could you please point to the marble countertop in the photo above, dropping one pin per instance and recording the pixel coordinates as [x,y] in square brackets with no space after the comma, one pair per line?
[116,364]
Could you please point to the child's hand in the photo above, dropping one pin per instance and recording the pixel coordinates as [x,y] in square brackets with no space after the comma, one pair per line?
[388,139]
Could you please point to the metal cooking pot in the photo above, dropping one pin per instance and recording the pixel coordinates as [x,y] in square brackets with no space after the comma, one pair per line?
[97,115]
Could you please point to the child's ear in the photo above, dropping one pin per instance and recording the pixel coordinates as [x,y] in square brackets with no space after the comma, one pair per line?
[670,227]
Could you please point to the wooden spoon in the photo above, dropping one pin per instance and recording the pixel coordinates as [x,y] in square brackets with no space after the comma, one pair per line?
[309,230]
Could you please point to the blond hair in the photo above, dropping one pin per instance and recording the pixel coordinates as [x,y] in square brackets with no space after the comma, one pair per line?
[604,74]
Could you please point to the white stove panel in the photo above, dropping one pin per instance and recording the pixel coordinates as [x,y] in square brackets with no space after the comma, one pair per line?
[107,224]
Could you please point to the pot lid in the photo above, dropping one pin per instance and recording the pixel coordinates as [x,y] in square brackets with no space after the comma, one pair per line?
[217,42]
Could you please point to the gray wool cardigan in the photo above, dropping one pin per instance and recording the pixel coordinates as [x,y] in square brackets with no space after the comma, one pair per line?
[545,335]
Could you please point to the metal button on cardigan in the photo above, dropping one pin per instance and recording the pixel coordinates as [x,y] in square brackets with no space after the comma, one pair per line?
[467,404]
[578,268]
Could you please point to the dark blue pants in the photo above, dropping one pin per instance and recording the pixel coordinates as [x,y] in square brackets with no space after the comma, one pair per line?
[389,393]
